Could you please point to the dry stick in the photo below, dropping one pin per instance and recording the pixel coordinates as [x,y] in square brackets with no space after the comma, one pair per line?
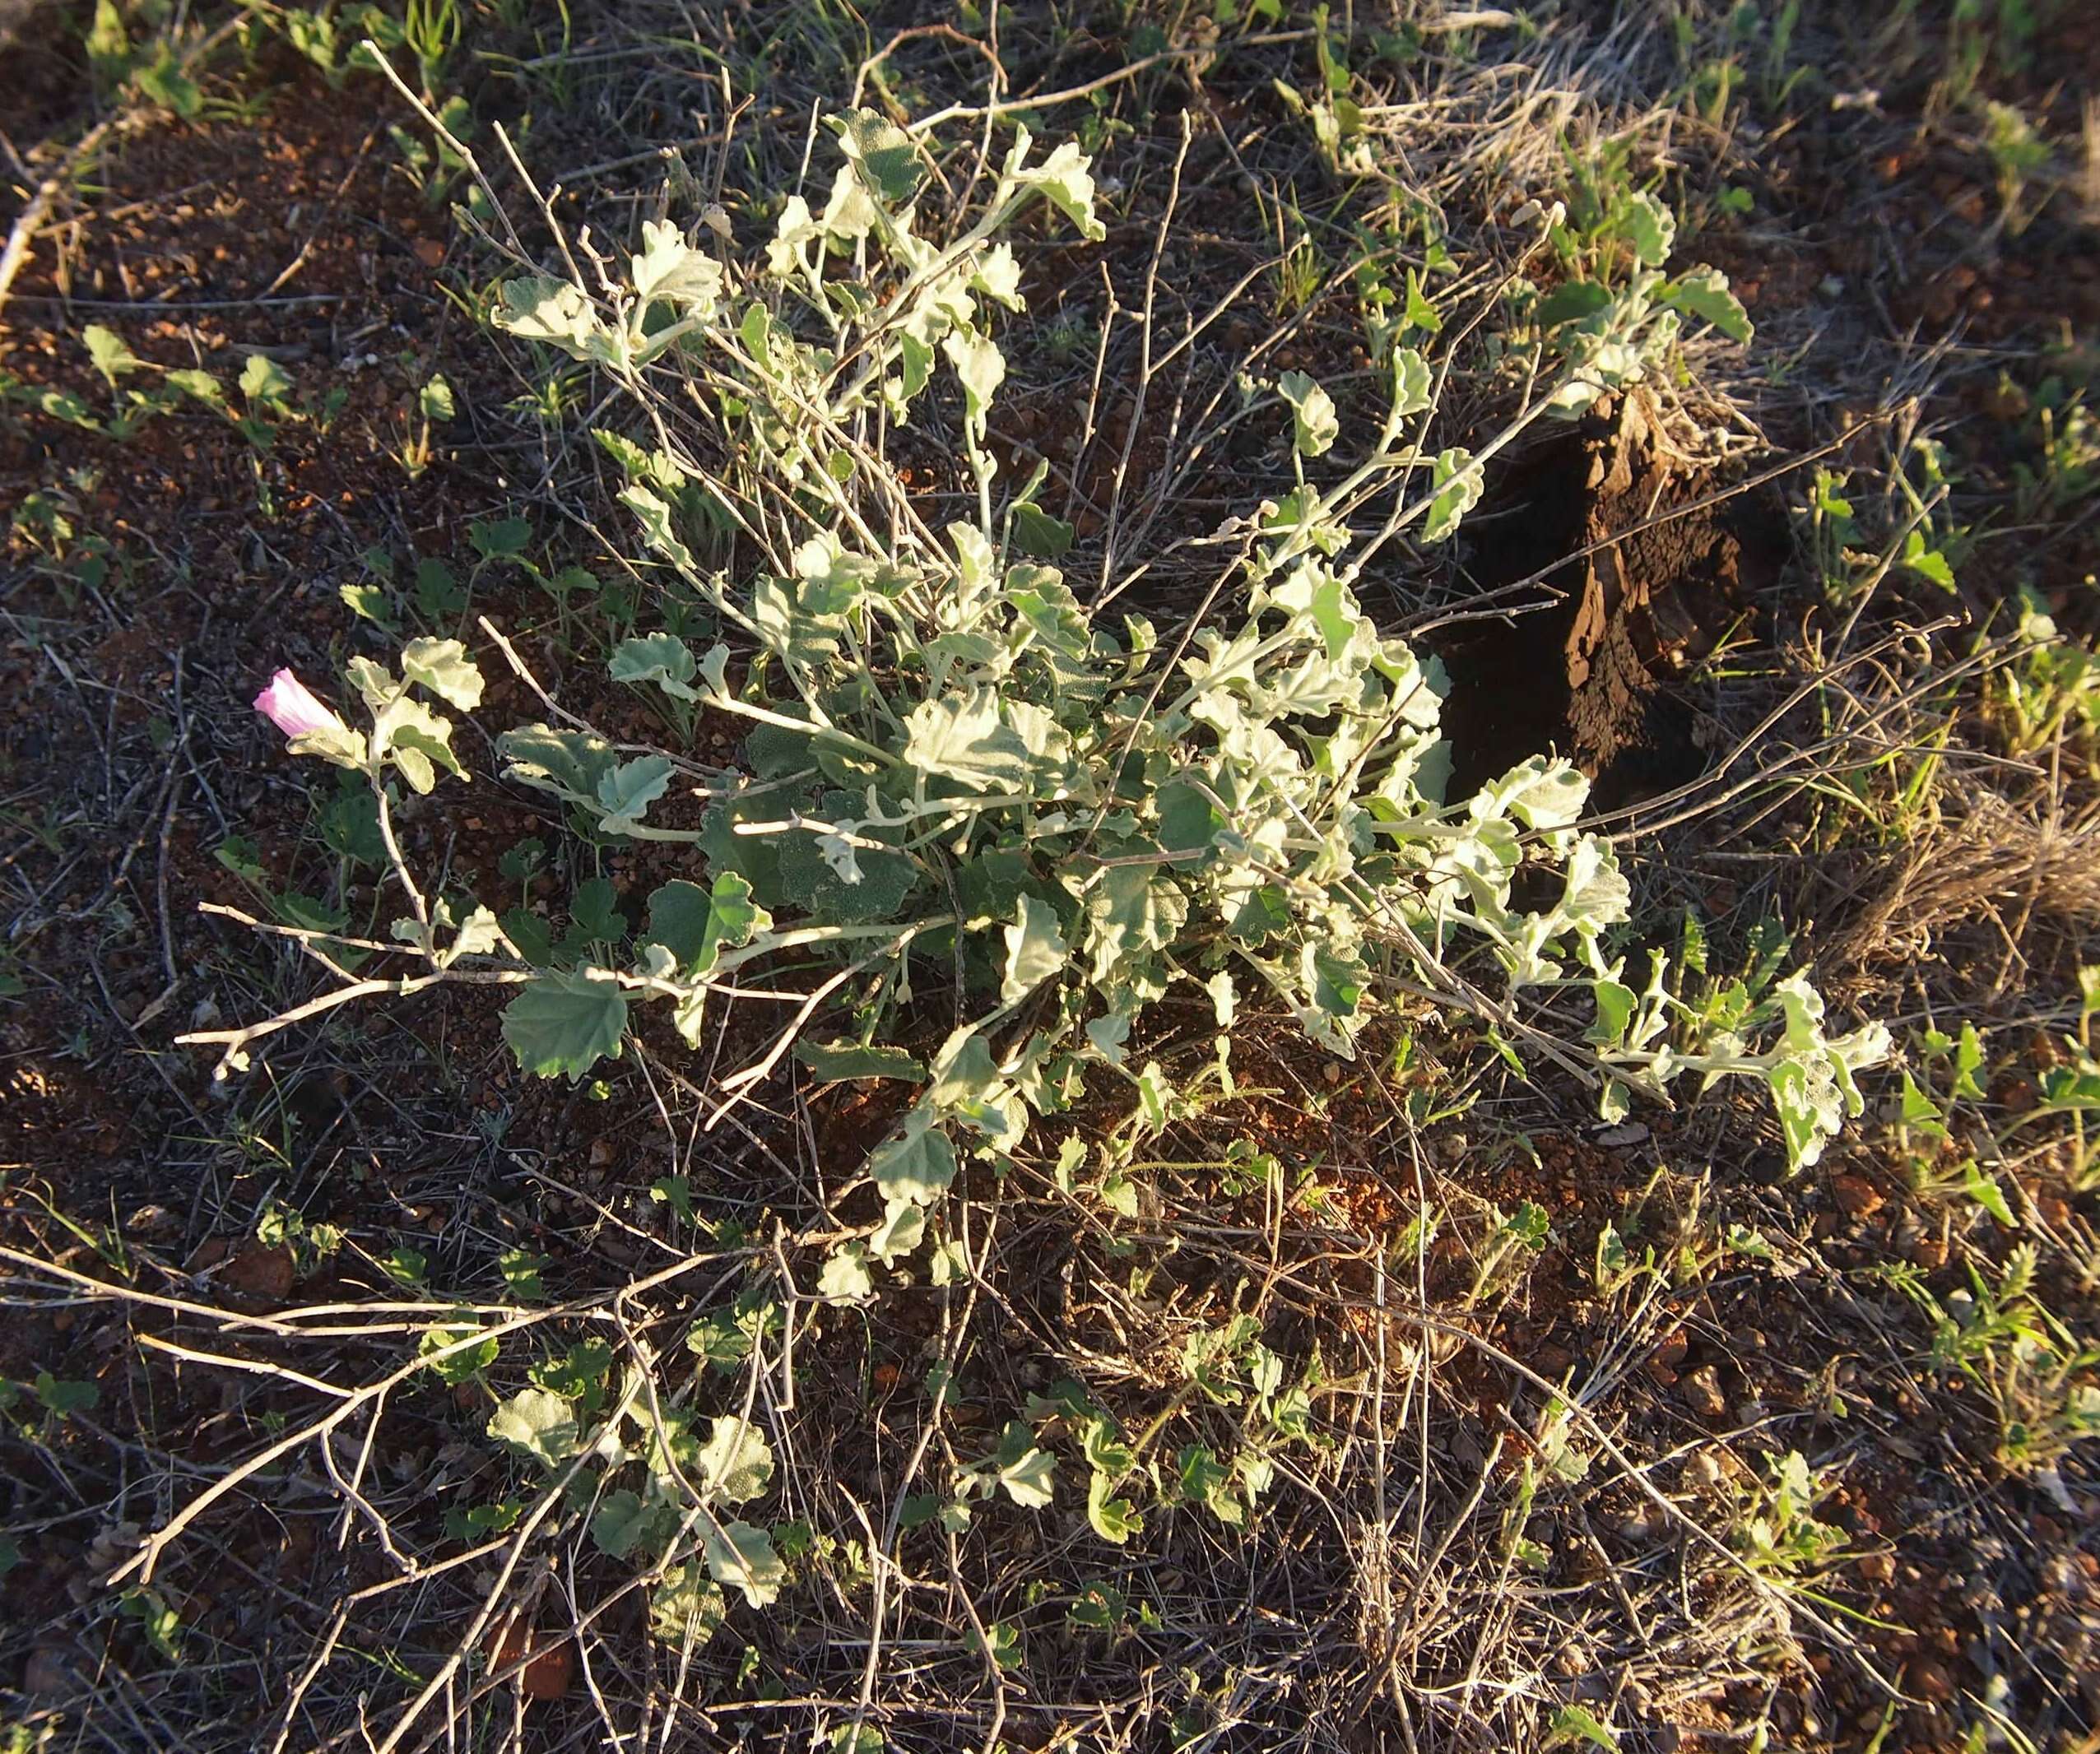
[234,1040]
[1883,566]
[308,1675]
[999,1687]
[252,1367]
[150,1551]
[1692,812]
[1166,670]
[546,211]
[913,32]
[1204,433]
[1654,1495]
[582,1622]
[1390,1678]
[1868,587]
[738,1082]
[886,1550]
[352,1489]
[1422,1367]
[155,307]
[1144,358]
[281,1324]
[1163,491]
[1013,106]
[1088,425]
[554,1495]
[525,676]
[436,123]
[1422,1320]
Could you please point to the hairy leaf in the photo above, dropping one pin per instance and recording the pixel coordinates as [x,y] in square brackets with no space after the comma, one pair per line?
[661,658]
[883,153]
[694,924]
[112,358]
[1028,1473]
[566,1022]
[1457,483]
[840,1059]
[844,1277]
[1703,294]
[962,737]
[442,666]
[1316,423]
[671,269]
[902,1230]
[1063,178]
[1035,950]
[538,308]
[917,1163]
[686,1606]
[742,1557]
[736,1462]
[540,1424]
[625,793]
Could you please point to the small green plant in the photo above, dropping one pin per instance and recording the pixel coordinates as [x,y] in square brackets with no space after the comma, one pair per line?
[2049,694]
[1752,50]
[1610,229]
[1833,536]
[1337,119]
[309,1242]
[1777,1532]
[435,406]
[51,527]
[2018,155]
[2063,471]
[1933,1116]
[2039,1379]
[145,58]
[339,39]
[1512,1239]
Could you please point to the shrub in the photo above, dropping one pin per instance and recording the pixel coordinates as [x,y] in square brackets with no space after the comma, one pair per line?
[959,779]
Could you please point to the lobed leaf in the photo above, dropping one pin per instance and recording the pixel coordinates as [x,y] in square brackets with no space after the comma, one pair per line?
[566,1022]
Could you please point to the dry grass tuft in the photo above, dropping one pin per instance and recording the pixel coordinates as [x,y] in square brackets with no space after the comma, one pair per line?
[1980,865]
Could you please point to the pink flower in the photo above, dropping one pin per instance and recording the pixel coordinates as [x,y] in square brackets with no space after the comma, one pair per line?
[290,705]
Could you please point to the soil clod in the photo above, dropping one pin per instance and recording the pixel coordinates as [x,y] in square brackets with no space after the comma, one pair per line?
[1656,579]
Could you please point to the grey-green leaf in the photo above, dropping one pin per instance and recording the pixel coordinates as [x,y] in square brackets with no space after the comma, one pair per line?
[566,1022]
[442,666]
[1035,950]
[844,1276]
[883,153]
[741,1555]
[835,1060]
[625,793]
[736,1462]
[1030,1479]
[1651,228]
[106,348]
[962,737]
[1038,535]
[1457,486]
[917,1163]
[1703,294]
[661,658]
[1316,425]
[539,1424]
